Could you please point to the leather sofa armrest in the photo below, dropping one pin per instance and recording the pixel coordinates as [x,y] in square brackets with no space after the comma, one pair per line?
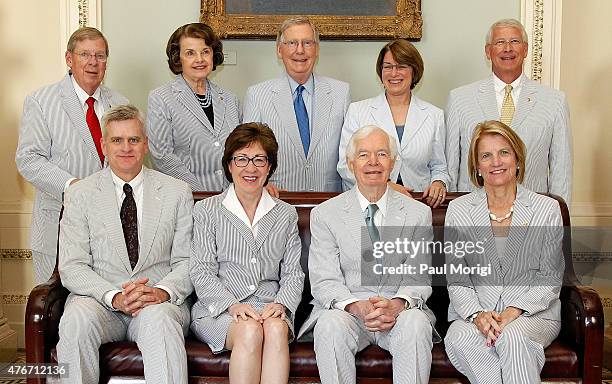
[582,327]
[43,312]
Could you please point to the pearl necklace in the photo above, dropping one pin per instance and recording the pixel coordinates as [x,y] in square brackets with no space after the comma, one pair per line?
[501,219]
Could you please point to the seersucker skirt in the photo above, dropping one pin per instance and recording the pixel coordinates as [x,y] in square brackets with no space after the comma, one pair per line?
[213,330]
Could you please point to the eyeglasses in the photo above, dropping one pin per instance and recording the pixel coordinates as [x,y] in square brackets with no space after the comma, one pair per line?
[243,161]
[85,56]
[399,67]
[380,155]
[293,44]
[502,43]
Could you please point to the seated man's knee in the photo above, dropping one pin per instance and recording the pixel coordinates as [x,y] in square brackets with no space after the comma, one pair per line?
[332,325]
[78,321]
[413,322]
[275,328]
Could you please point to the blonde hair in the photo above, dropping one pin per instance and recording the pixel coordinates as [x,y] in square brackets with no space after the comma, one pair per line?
[493,127]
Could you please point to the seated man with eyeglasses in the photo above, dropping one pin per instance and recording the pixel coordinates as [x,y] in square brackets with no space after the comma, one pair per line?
[59,138]
[305,111]
[245,263]
[538,114]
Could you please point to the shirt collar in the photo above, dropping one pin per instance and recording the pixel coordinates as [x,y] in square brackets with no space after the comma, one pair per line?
[308,85]
[135,183]
[382,202]
[500,86]
[81,94]
[231,202]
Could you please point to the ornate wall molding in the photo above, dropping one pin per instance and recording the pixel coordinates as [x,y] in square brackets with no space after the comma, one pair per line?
[78,13]
[542,21]
[16,254]
[14,299]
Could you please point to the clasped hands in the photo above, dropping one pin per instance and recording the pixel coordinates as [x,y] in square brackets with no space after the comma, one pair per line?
[244,311]
[377,313]
[137,295]
[491,324]
[434,194]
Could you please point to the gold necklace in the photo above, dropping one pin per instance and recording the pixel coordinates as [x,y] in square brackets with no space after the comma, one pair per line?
[501,219]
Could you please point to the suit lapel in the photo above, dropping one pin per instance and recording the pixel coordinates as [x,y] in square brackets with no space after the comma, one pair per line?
[381,114]
[482,224]
[74,110]
[282,99]
[321,111]
[527,100]
[414,120]
[265,226]
[109,213]
[486,99]
[394,228]
[240,226]
[353,218]
[185,96]
[521,217]
[151,215]
[218,107]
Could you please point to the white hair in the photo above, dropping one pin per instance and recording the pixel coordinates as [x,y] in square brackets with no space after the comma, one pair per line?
[364,132]
[510,23]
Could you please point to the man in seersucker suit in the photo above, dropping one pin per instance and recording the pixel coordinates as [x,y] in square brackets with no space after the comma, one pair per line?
[538,114]
[305,111]
[59,138]
[355,306]
[124,255]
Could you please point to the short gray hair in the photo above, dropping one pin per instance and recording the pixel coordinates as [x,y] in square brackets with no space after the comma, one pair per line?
[85,33]
[364,132]
[122,113]
[298,20]
[510,23]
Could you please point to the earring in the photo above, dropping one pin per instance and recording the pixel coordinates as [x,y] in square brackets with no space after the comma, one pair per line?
[479,174]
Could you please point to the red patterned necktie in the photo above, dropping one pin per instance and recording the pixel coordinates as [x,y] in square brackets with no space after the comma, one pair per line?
[94,127]
[129,223]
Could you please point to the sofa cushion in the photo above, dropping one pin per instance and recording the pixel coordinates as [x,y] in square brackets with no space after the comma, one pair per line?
[124,359]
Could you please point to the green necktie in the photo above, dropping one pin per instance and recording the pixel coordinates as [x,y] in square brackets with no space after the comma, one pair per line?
[372,230]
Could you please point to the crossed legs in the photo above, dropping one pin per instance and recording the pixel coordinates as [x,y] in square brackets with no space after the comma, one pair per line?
[518,354]
[260,352]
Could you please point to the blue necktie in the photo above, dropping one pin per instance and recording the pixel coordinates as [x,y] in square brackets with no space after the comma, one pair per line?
[302,119]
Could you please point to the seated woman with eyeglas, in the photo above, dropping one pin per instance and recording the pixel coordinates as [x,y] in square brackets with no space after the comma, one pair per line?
[245,263]
[502,316]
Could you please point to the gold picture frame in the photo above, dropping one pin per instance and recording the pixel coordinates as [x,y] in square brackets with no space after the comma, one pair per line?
[406,23]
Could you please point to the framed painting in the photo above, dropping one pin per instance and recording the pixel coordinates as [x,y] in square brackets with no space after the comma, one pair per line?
[336,19]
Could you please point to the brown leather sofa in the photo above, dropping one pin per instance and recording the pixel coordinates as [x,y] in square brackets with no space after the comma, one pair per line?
[575,355]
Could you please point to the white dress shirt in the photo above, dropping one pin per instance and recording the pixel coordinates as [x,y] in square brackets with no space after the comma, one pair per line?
[137,184]
[231,202]
[500,90]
